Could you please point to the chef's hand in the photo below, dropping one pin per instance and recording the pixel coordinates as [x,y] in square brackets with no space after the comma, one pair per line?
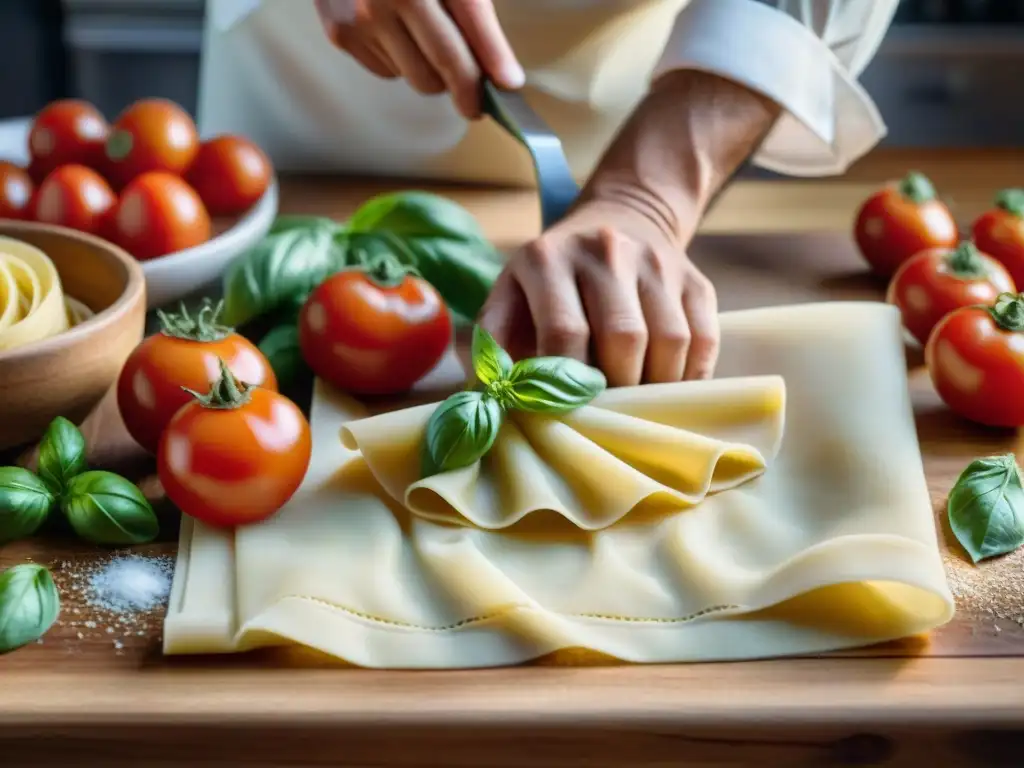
[613,284]
[436,45]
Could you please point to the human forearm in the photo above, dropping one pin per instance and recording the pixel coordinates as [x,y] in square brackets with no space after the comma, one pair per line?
[681,144]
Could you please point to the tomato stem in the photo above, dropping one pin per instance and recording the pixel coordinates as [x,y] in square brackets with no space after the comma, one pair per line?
[966,261]
[387,272]
[917,187]
[119,145]
[204,326]
[1011,201]
[226,393]
[1008,311]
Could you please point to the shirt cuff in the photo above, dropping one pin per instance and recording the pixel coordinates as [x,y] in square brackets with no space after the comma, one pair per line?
[223,15]
[829,121]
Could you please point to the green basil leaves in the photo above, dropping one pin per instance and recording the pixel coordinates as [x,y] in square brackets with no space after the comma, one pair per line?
[284,267]
[462,429]
[435,236]
[25,503]
[281,348]
[61,454]
[491,363]
[986,507]
[29,605]
[553,385]
[104,508]
[440,239]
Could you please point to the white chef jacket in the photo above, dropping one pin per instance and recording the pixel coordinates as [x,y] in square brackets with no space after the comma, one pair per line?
[270,73]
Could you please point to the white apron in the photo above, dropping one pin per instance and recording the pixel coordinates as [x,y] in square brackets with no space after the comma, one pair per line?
[269,72]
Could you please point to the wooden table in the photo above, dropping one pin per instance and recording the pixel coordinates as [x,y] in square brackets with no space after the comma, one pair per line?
[87,696]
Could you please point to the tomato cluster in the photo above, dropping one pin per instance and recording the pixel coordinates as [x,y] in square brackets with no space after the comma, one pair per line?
[958,299]
[145,182]
[230,449]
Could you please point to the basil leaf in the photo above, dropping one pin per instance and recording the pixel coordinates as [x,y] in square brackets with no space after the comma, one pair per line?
[281,348]
[986,507]
[25,503]
[491,363]
[61,454]
[104,508]
[460,431]
[553,385]
[441,239]
[285,222]
[284,267]
[29,605]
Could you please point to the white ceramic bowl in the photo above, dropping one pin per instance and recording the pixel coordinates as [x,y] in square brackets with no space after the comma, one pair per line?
[176,275]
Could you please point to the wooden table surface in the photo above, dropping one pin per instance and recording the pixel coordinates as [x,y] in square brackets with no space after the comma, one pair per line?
[106,697]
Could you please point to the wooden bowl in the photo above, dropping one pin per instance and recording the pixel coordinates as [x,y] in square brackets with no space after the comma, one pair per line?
[68,374]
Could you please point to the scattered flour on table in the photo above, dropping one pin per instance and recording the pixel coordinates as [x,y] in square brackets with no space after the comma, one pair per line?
[991,591]
[116,598]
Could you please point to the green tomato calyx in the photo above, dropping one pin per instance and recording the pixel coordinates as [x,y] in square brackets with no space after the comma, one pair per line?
[917,187]
[226,393]
[1008,311]
[203,326]
[119,144]
[1011,201]
[387,272]
[966,261]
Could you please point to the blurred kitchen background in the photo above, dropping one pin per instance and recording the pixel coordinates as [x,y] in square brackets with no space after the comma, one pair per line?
[950,73]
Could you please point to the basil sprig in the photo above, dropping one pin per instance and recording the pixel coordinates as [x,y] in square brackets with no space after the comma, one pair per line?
[462,429]
[986,507]
[29,605]
[102,507]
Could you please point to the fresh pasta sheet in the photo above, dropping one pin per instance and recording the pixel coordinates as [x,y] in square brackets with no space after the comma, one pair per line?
[777,510]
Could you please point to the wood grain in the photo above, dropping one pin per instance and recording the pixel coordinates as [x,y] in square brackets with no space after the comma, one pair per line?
[936,698]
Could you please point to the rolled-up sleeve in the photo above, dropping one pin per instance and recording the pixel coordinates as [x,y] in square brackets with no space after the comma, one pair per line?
[806,56]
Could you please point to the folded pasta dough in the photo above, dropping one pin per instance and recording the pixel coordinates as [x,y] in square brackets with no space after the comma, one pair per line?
[834,546]
[664,446]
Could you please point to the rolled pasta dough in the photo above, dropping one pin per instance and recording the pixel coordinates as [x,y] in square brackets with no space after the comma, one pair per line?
[33,306]
[834,546]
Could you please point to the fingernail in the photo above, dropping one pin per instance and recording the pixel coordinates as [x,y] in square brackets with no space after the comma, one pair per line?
[513,76]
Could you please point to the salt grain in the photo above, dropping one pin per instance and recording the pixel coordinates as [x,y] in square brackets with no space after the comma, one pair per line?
[130,583]
[115,595]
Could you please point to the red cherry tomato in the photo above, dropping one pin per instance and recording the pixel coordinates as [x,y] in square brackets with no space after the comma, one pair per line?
[901,220]
[930,285]
[66,132]
[16,190]
[1000,232]
[234,456]
[374,332]
[975,357]
[77,197]
[151,135]
[187,353]
[159,213]
[230,174]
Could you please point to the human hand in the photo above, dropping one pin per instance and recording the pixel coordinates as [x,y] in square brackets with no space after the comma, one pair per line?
[436,45]
[611,283]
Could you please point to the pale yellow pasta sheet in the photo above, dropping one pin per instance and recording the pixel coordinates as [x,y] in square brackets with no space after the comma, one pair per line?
[780,509]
